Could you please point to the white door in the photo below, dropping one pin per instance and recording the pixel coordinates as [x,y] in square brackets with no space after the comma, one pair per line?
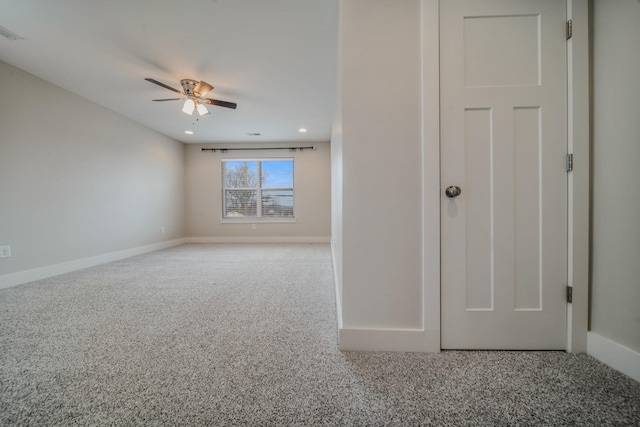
[504,144]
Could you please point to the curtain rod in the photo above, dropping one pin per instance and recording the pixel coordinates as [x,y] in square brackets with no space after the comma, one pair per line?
[224,150]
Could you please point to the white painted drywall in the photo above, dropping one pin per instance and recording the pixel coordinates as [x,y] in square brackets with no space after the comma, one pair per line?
[77,180]
[381,165]
[615,293]
[312,180]
[336,186]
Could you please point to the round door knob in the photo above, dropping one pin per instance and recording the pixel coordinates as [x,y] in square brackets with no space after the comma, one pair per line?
[453,191]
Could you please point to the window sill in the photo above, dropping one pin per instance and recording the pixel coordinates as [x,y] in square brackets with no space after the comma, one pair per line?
[254,220]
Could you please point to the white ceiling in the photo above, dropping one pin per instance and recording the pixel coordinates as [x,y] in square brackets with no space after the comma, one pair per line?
[275,58]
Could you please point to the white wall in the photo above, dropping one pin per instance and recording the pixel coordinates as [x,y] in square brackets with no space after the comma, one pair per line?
[615,293]
[336,213]
[377,249]
[336,183]
[381,162]
[77,180]
[312,180]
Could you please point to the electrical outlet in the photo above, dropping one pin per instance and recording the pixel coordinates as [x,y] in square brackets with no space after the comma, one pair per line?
[5,251]
[162,229]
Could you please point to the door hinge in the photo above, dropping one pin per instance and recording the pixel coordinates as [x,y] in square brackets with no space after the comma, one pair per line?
[569,162]
[569,294]
[569,29]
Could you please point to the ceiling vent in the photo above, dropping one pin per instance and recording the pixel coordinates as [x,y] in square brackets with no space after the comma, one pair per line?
[8,34]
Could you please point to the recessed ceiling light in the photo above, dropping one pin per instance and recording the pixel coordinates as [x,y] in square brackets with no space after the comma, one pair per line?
[188,132]
[302,130]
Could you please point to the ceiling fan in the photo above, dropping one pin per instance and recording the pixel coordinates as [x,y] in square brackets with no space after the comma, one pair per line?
[193,96]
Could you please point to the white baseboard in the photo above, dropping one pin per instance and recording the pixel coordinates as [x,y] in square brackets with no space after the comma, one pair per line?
[26,276]
[617,356]
[399,340]
[259,239]
[14,279]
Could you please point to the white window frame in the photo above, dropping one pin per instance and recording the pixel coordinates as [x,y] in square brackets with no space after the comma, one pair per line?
[258,189]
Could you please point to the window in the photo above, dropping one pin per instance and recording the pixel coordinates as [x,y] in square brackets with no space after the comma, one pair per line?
[257,188]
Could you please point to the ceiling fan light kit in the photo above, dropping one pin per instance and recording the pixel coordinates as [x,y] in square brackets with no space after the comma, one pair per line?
[194,93]
[189,106]
[202,110]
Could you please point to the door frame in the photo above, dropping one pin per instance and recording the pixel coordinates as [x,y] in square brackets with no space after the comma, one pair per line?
[578,102]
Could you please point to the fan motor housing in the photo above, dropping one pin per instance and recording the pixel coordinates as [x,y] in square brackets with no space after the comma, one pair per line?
[188,86]
[195,88]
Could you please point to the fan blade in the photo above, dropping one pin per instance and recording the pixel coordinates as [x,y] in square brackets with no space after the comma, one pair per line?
[163,85]
[220,103]
[203,88]
[168,99]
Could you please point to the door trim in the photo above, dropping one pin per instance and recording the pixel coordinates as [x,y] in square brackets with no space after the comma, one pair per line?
[579,102]
[579,185]
[431,170]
